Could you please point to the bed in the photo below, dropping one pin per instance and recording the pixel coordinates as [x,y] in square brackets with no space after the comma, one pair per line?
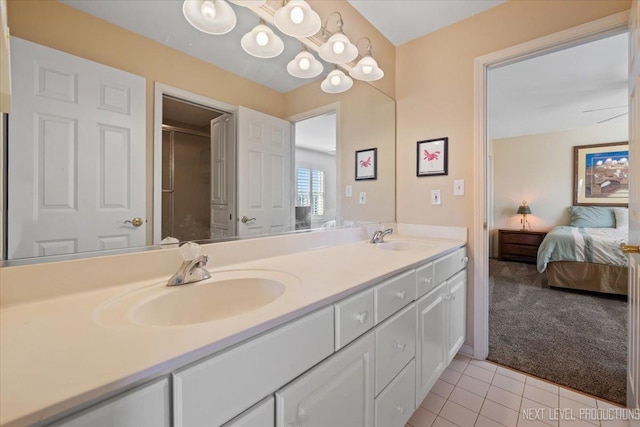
[586,258]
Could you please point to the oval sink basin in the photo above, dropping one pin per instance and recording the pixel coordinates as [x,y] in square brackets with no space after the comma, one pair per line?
[404,245]
[226,294]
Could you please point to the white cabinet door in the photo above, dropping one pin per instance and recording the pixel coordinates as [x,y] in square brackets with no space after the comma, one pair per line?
[430,345]
[336,393]
[262,414]
[144,407]
[456,313]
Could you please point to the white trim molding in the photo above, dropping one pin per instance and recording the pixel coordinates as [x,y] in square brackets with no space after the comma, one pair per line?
[571,37]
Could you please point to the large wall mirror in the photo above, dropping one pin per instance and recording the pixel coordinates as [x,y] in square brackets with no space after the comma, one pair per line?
[124,132]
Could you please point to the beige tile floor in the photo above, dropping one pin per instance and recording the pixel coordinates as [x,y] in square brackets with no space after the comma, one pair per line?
[473,393]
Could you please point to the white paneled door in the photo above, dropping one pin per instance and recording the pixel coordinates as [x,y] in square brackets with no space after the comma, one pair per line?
[264,173]
[633,371]
[76,148]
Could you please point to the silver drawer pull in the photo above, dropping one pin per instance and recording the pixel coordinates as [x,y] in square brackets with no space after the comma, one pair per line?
[362,317]
[428,280]
[400,409]
[401,294]
[447,297]
[465,259]
[401,347]
[453,297]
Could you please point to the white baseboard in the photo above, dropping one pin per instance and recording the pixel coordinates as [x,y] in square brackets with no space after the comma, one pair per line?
[467,350]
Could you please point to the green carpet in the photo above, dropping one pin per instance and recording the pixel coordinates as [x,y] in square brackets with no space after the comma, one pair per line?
[572,338]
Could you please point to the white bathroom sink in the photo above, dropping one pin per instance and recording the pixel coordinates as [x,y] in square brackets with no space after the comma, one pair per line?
[226,294]
[404,245]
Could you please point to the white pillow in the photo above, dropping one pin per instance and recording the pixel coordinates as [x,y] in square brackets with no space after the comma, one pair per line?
[622,218]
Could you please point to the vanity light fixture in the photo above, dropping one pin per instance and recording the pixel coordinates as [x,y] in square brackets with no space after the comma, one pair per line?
[262,42]
[297,19]
[210,16]
[367,68]
[336,82]
[249,3]
[338,49]
[305,65]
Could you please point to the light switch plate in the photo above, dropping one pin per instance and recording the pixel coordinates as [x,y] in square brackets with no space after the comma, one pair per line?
[363,198]
[348,191]
[435,197]
[458,187]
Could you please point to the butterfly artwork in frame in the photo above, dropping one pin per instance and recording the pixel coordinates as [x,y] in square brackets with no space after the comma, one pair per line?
[367,164]
[432,157]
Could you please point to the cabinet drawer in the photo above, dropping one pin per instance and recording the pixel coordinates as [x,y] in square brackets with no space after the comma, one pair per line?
[147,406]
[393,294]
[519,250]
[424,280]
[261,415]
[522,238]
[449,265]
[354,317]
[212,392]
[395,345]
[396,403]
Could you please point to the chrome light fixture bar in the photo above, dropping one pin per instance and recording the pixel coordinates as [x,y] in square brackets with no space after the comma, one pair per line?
[338,49]
[367,68]
[262,42]
[210,16]
[297,19]
[336,82]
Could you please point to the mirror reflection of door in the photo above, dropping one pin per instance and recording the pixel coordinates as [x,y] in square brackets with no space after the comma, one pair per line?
[315,172]
[187,178]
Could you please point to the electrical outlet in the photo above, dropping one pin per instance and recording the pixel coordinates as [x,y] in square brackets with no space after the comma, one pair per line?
[436,197]
[348,191]
[458,187]
[363,198]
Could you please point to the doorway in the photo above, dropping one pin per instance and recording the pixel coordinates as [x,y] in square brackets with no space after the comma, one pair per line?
[572,37]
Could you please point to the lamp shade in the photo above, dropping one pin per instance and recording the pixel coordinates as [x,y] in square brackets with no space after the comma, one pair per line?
[297,19]
[338,49]
[336,82]
[367,70]
[210,16]
[262,42]
[524,209]
[305,66]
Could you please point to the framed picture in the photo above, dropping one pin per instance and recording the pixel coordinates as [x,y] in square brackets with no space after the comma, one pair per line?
[601,174]
[367,164]
[432,157]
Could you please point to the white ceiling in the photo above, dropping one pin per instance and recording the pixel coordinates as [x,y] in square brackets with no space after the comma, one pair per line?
[401,21]
[317,133]
[551,93]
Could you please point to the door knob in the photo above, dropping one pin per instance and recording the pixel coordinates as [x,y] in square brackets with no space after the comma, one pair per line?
[136,222]
[630,249]
[245,219]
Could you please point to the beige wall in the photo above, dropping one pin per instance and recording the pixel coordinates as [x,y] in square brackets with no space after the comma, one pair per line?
[539,169]
[366,119]
[434,94]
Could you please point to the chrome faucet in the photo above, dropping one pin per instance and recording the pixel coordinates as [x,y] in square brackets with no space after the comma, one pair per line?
[191,271]
[378,236]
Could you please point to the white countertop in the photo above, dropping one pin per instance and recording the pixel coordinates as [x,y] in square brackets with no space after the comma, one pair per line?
[55,356]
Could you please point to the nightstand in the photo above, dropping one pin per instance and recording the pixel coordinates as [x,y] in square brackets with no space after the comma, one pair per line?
[517,245]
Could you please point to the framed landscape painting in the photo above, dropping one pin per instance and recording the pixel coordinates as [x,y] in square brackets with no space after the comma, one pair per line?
[601,174]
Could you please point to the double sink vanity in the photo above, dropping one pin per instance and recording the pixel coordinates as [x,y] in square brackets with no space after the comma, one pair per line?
[350,334]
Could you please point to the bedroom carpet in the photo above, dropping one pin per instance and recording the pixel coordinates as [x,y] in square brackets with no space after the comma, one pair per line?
[575,339]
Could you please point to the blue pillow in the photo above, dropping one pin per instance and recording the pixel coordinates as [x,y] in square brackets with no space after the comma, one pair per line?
[592,217]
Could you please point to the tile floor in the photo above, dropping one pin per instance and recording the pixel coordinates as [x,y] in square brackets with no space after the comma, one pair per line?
[473,393]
